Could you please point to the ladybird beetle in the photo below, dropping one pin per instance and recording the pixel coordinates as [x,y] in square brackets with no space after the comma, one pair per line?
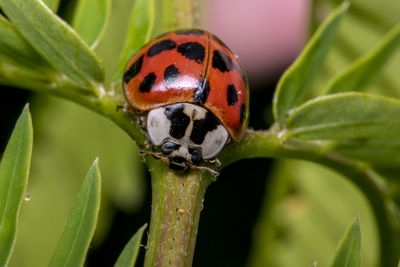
[193,93]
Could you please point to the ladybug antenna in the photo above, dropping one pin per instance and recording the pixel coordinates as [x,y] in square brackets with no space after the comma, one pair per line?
[214,173]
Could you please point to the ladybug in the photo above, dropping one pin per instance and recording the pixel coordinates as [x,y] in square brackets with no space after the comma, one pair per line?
[193,94]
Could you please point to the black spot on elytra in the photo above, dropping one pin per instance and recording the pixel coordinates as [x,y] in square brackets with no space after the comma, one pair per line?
[242,111]
[196,155]
[170,74]
[161,46]
[221,61]
[193,51]
[168,147]
[231,95]
[189,32]
[202,127]
[179,120]
[147,83]
[201,93]
[133,70]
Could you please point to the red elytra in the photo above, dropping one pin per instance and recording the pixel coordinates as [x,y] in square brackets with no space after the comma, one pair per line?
[189,66]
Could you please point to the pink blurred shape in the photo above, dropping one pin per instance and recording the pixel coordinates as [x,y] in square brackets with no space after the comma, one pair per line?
[266,34]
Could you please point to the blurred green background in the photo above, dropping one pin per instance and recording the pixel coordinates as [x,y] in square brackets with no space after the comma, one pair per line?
[259,212]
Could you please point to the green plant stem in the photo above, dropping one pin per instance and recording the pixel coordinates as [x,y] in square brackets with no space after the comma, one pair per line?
[180,14]
[176,204]
[188,12]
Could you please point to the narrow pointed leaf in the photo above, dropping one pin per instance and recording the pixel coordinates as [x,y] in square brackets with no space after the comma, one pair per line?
[14,46]
[78,232]
[129,255]
[294,86]
[14,171]
[57,42]
[140,30]
[360,74]
[346,115]
[348,251]
[90,20]
[52,4]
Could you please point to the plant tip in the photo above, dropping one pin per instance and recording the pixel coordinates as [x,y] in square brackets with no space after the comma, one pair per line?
[26,108]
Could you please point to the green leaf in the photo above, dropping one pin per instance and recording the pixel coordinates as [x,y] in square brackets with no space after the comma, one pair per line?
[346,116]
[348,251]
[13,73]
[54,40]
[379,152]
[295,83]
[52,4]
[360,74]
[19,61]
[90,20]
[140,29]
[129,255]
[78,232]
[14,46]
[357,125]
[14,171]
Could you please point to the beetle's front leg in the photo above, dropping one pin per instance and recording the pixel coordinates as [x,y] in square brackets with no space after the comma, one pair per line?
[215,161]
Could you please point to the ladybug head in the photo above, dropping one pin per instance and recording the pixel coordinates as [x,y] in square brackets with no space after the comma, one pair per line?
[186,133]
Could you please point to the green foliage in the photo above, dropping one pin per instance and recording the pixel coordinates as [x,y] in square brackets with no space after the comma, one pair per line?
[346,129]
[12,43]
[347,115]
[348,251]
[14,171]
[363,71]
[59,163]
[129,255]
[52,4]
[356,125]
[296,82]
[140,30]
[305,203]
[363,28]
[90,20]
[54,40]
[74,242]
